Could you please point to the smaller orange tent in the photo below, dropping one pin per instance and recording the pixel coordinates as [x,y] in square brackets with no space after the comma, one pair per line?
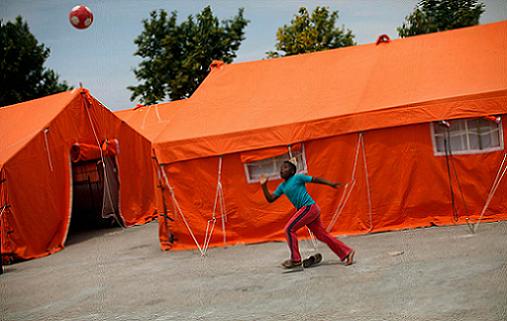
[41,139]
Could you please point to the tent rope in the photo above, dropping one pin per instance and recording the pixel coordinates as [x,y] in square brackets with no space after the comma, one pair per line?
[210,225]
[450,164]
[3,209]
[219,200]
[179,211]
[145,116]
[106,179]
[348,188]
[165,217]
[157,113]
[467,212]
[312,237]
[502,169]
[448,157]
[368,191]
[46,131]
[290,151]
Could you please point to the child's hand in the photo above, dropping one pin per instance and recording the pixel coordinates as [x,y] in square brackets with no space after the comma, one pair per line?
[263,180]
[336,184]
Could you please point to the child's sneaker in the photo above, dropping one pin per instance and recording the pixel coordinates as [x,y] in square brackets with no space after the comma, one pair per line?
[289,264]
[312,260]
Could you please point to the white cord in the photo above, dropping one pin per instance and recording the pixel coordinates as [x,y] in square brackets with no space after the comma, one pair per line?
[145,116]
[157,113]
[219,200]
[3,209]
[177,205]
[46,131]
[493,189]
[348,188]
[210,226]
[366,175]
[106,180]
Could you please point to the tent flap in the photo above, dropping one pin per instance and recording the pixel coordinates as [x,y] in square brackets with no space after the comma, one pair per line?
[83,152]
[257,155]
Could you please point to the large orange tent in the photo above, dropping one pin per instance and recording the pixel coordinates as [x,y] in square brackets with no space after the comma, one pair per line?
[43,143]
[367,115]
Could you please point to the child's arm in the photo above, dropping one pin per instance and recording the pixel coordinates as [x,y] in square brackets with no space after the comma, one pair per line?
[269,197]
[323,181]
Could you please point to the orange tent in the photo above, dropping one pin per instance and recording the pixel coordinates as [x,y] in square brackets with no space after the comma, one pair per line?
[367,115]
[151,120]
[43,143]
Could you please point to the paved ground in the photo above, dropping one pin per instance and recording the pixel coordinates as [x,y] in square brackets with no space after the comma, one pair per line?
[440,273]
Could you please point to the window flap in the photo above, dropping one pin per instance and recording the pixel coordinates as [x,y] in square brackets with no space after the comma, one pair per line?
[260,154]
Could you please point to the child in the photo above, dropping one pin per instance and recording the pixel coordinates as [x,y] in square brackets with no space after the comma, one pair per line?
[307,213]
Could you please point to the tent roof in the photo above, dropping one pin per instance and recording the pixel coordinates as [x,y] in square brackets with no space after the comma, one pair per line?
[453,74]
[21,122]
[151,120]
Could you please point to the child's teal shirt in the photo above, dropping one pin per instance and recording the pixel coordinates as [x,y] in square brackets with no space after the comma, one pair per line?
[295,190]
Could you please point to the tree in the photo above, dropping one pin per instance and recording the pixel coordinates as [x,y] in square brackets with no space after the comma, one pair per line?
[439,15]
[311,33]
[23,75]
[177,56]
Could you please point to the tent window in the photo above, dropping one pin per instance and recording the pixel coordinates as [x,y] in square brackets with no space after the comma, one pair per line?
[270,167]
[468,136]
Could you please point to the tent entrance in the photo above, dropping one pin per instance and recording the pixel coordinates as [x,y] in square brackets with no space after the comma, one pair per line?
[95,195]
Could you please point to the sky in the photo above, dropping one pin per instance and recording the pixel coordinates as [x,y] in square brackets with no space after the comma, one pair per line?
[102,56]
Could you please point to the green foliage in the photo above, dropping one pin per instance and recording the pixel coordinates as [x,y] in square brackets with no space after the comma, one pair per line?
[176,57]
[307,33]
[439,15]
[21,66]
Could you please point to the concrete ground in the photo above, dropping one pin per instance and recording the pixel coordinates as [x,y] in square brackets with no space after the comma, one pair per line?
[440,273]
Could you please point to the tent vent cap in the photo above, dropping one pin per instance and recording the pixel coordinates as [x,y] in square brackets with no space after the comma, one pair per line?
[216,64]
[383,39]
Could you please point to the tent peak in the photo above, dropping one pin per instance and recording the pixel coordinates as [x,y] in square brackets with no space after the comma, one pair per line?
[383,39]
[216,64]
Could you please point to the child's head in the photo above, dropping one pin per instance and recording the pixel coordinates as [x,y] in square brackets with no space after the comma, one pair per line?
[288,168]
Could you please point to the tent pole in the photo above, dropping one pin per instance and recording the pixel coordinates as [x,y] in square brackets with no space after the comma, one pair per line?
[1,236]
[165,217]
[448,155]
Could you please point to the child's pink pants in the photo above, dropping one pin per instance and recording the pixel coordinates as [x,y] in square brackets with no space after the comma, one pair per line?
[310,216]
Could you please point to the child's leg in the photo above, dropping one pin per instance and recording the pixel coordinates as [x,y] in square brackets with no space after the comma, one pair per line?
[337,246]
[301,218]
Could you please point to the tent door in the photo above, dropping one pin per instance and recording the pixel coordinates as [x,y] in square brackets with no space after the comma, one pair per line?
[110,195]
[95,194]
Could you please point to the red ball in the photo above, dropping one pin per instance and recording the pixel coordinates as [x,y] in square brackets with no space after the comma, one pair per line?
[81,17]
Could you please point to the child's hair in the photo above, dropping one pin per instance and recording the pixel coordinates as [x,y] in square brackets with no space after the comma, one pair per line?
[292,166]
